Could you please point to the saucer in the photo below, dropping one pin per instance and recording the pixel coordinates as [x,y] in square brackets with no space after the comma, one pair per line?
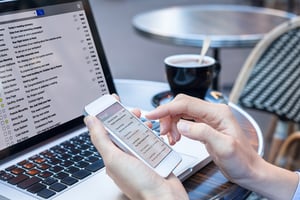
[210,96]
[162,98]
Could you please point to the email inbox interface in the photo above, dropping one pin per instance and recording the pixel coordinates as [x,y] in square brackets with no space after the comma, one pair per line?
[135,135]
[49,69]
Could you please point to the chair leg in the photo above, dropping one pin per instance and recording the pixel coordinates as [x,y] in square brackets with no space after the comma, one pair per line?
[291,157]
[269,136]
[275,145]
[280,134]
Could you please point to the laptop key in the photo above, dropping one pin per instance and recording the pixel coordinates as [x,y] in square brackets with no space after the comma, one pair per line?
[81,164]
[95,166]
[49,181]
[91,159]
[57,150]
[47,154]
[28,182]
[56,169]
[93,149]
[18,179]
[64,156]
[54,161]
[66,163]
[46,193]
[83,146]
[74,151]
[77,158]
[58,187]
[72,169]
[29,165]
[43,166]
[81,174]
[39,160]
[17,171]
[22,162]
[86,153]
[61,175]
[5,176]
[35,188]
[10,168]
[45,174]
[69,180]
[33,172]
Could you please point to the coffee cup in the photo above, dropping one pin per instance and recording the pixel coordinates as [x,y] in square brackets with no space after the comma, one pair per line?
[185,74]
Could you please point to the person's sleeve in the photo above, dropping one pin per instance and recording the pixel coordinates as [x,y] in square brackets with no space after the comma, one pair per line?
[297,192]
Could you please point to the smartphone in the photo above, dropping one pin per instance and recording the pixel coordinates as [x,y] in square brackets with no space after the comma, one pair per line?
[131,135]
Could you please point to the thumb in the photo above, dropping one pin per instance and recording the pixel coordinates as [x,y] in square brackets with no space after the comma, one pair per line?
[201,132]
[99,135]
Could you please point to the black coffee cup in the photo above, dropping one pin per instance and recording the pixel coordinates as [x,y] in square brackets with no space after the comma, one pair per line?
[185,74]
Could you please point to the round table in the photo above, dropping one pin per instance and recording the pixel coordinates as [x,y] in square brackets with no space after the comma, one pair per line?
[226,25]
[209,182]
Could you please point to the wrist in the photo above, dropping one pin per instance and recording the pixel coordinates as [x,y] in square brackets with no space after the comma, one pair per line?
[164,195]
[271,181]
[171,189]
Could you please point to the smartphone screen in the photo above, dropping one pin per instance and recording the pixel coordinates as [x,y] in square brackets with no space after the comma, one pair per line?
[134,134]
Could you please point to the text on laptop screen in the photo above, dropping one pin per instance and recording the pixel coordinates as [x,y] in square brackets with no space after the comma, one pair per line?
[49,69]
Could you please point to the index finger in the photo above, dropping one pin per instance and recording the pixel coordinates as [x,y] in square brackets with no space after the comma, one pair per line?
[191,108]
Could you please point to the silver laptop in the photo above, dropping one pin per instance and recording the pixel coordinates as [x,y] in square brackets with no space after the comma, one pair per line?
[52,64]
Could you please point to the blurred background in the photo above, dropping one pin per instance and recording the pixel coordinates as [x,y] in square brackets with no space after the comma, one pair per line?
[132,56]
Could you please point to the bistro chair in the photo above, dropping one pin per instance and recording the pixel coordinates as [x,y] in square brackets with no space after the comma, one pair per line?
[288,157]
[270,81]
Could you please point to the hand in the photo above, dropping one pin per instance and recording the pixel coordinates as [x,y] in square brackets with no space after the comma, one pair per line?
[215,126]
[212,124]
[133,177]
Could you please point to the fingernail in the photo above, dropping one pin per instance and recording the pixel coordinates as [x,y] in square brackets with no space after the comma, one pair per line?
[88,120]
[183,126]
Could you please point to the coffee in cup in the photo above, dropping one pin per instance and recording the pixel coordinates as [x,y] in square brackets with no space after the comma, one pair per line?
[185,74]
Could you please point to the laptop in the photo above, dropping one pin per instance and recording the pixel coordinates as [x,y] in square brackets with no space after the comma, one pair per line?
[52,64]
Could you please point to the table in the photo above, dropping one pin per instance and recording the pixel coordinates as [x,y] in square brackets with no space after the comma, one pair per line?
[290,7]
[207,183]
[226,25]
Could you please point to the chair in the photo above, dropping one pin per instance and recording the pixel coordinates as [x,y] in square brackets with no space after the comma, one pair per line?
[287,156]
[270,81]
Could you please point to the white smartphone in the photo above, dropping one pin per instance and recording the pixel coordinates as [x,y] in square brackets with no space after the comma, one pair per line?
[133,136]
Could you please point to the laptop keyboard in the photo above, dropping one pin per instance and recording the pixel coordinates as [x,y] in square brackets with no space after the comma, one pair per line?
[54,170]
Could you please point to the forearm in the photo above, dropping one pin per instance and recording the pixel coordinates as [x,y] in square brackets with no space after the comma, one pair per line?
[271,181]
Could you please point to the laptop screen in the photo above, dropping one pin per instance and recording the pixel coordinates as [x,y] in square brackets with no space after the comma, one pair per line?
[51,65]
